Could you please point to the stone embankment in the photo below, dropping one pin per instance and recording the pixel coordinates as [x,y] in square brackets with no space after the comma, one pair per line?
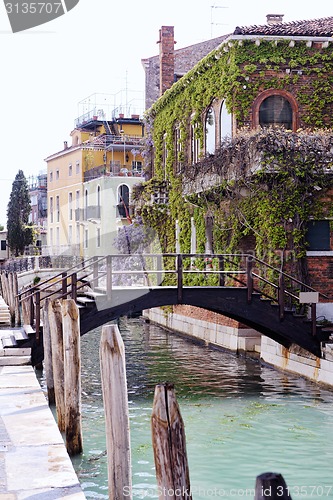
[219,331]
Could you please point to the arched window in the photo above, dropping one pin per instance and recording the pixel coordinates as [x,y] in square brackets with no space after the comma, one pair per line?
[98,214]
[210,131]
[225,122]
[86,204]
[195,144]
[123,201]
[275,108]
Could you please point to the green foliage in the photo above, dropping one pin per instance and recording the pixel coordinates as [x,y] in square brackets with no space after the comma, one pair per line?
[272,204]
[19,234]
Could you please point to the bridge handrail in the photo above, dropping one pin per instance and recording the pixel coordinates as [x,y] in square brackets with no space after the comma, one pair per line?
[286,275]
[60,277]
[67,283]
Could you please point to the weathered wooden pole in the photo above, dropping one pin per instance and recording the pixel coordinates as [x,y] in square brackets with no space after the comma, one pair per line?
[180,278]
[25,304]
[55,323]
[16,299]
[271,485]
[249,278]
[5,291]
[169,444]
[114,387]
[11,298]
[281,296]
[72,375]
[48,367]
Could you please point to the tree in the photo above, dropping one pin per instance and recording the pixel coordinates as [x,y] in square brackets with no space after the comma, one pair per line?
[19,235]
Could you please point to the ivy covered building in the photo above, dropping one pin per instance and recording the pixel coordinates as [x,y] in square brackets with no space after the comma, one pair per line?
[240,151]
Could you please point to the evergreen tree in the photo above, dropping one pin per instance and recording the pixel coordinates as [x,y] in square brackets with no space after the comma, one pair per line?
[18,211]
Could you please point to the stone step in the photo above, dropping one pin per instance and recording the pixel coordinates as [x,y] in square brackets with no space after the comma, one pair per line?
[15,360]
[85,300]
[17,351]
[8,341]
[95,294]
[29,330]
[20,335]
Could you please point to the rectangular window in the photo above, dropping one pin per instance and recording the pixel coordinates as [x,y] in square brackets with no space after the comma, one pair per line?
[70,206]
[51,210]
[98,238]
[3,245]
[77,168]
[77,199]
[57,209]
[70,170]
[318,235]
[57,236]
[51,237]
[70,235]
[137,166]
[51,176]
[57,175]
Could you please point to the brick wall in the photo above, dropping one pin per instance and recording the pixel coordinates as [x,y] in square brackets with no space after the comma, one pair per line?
[167,58]
[321,274]
[209,316]
[184,60]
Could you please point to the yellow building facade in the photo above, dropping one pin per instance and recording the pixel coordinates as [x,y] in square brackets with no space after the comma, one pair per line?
[98,149]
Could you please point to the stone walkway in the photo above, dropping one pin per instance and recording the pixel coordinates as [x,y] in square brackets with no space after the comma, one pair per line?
[34,463]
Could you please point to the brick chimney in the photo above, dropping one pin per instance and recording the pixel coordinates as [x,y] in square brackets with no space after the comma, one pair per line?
[167,58]
[274,18]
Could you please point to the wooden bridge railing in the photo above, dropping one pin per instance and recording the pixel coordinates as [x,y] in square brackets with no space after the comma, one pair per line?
[177,270]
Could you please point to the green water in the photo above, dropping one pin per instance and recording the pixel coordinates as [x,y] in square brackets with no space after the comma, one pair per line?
[241,419]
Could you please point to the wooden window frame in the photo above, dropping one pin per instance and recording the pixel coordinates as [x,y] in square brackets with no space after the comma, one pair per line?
[271,92]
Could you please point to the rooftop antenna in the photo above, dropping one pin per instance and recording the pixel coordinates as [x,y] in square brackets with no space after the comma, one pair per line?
[211,18]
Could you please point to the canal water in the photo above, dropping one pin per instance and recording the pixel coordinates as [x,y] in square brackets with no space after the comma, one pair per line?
[241,419]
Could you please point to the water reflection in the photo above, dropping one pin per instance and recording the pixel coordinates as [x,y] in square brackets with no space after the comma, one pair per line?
[241,418]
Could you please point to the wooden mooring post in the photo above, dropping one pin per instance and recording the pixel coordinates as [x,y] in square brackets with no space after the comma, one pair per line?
[57,349]
[114,388]
[72,376]
[169,445]
[48,366]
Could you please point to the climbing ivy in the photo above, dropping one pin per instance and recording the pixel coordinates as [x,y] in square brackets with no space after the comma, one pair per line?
[269,207]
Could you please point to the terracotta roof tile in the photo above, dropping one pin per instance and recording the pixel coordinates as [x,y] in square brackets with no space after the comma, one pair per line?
[312,28]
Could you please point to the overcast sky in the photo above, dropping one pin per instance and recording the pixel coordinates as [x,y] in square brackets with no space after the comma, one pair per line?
[97,47]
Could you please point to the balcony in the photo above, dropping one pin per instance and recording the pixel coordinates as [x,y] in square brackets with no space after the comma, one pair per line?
[92,212]
[122,212]
[79,214]
[114,142]
[114,170]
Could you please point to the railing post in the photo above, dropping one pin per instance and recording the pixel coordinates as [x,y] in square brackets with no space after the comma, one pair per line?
[249,278]
[32,308]
[64,284]
[37,326]
[180,278]
[314,319]
[95,274]
[281,296]
[74,286]
[221,270]
[109,276]
[159,264]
